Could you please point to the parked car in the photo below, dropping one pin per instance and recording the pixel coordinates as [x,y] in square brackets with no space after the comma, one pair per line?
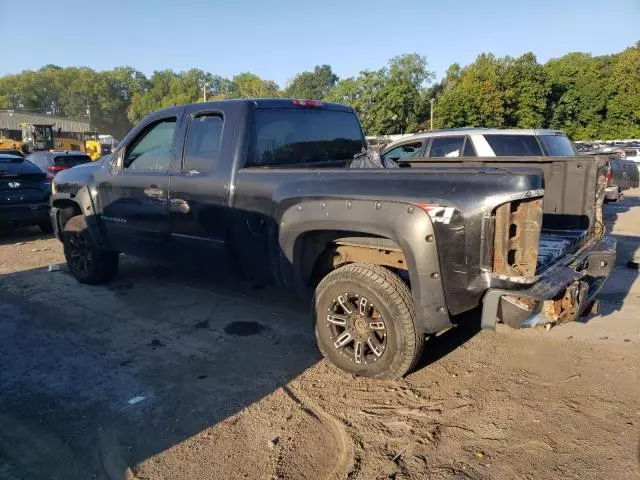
[633,155]
[623,175]
[54,162]
[481,142]
[24,194]
[390,254]
[494,142]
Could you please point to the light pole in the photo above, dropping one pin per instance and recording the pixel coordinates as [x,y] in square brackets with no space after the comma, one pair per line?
[431,102]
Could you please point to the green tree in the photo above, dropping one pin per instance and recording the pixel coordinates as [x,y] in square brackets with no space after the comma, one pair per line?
[388,100]
[312,85]
[578,98]
[525,87]
[167,88]
[472,96]
[623,92]
[248,85]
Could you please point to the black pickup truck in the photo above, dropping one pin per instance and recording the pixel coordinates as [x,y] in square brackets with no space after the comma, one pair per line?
[389,254]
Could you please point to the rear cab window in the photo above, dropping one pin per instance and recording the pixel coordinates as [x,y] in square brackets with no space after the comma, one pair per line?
[557,145]
[304,136]
[514,145]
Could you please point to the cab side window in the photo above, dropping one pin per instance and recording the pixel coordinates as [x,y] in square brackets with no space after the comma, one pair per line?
[151,150]
[446,147]
[407,150]
[202,149]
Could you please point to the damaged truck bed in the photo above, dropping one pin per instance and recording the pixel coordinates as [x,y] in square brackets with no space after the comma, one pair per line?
[549,256]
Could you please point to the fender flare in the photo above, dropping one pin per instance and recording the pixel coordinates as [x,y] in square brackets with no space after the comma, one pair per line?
[409,226]
[84,201]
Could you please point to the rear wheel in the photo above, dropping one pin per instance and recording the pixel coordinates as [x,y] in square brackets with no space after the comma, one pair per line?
[86,261]
[365,321]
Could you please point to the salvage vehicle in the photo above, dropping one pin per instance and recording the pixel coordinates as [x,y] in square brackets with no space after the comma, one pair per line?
[24,194]
[388,254]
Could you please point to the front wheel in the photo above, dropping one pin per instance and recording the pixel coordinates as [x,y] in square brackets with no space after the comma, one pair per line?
[365,322]
[86,261]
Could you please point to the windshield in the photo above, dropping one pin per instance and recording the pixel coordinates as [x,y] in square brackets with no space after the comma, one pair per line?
[299,136]
[557,145]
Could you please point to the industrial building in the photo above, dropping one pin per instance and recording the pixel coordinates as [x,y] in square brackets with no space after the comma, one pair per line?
[10,121]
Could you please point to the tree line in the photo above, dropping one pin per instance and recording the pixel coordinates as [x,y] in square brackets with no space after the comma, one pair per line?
[587,96]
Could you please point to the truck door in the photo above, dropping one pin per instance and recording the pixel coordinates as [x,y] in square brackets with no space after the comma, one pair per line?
[135,208]
[200,185]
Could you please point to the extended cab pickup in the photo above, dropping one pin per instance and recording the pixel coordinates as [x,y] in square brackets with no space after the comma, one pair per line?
[391,254]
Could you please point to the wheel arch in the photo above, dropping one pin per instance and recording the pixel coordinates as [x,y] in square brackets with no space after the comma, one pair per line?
[309,226]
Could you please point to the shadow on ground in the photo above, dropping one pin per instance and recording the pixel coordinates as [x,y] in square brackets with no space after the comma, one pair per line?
[9,236]
[97,378]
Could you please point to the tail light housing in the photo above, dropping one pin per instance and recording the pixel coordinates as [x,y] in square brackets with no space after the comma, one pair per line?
[308,103]
[517,237]
[56,168]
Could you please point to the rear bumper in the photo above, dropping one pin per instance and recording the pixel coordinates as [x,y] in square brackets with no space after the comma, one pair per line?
[22,215]
[562,293]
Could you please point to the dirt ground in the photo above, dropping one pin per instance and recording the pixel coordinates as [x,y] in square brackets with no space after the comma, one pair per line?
[174,374]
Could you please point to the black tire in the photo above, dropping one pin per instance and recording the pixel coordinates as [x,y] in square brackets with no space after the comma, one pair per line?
[46,227]
[388,301]
[85,260]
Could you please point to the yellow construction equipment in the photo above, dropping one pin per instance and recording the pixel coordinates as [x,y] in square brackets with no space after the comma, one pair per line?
[43,137]
[92,144]
[34,138]
[69,143]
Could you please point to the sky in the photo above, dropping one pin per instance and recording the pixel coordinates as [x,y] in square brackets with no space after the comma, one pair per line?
[277,39]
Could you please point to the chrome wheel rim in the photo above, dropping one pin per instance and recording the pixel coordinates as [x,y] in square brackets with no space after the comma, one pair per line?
[357,329]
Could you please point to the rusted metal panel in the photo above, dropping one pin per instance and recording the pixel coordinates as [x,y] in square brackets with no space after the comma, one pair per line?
[517,237]
[344,254]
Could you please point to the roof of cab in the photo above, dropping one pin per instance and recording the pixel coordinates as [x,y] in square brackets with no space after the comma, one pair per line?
[263,103]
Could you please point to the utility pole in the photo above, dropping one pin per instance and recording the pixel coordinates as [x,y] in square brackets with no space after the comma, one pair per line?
[204,92]
[431,101]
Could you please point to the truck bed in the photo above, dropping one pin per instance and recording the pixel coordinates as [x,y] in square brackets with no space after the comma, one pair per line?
[571,212]
[554,244]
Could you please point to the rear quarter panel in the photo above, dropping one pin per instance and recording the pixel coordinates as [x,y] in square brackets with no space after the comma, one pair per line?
[286,204]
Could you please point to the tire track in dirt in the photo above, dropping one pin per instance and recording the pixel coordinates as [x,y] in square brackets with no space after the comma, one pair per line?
[347,459]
